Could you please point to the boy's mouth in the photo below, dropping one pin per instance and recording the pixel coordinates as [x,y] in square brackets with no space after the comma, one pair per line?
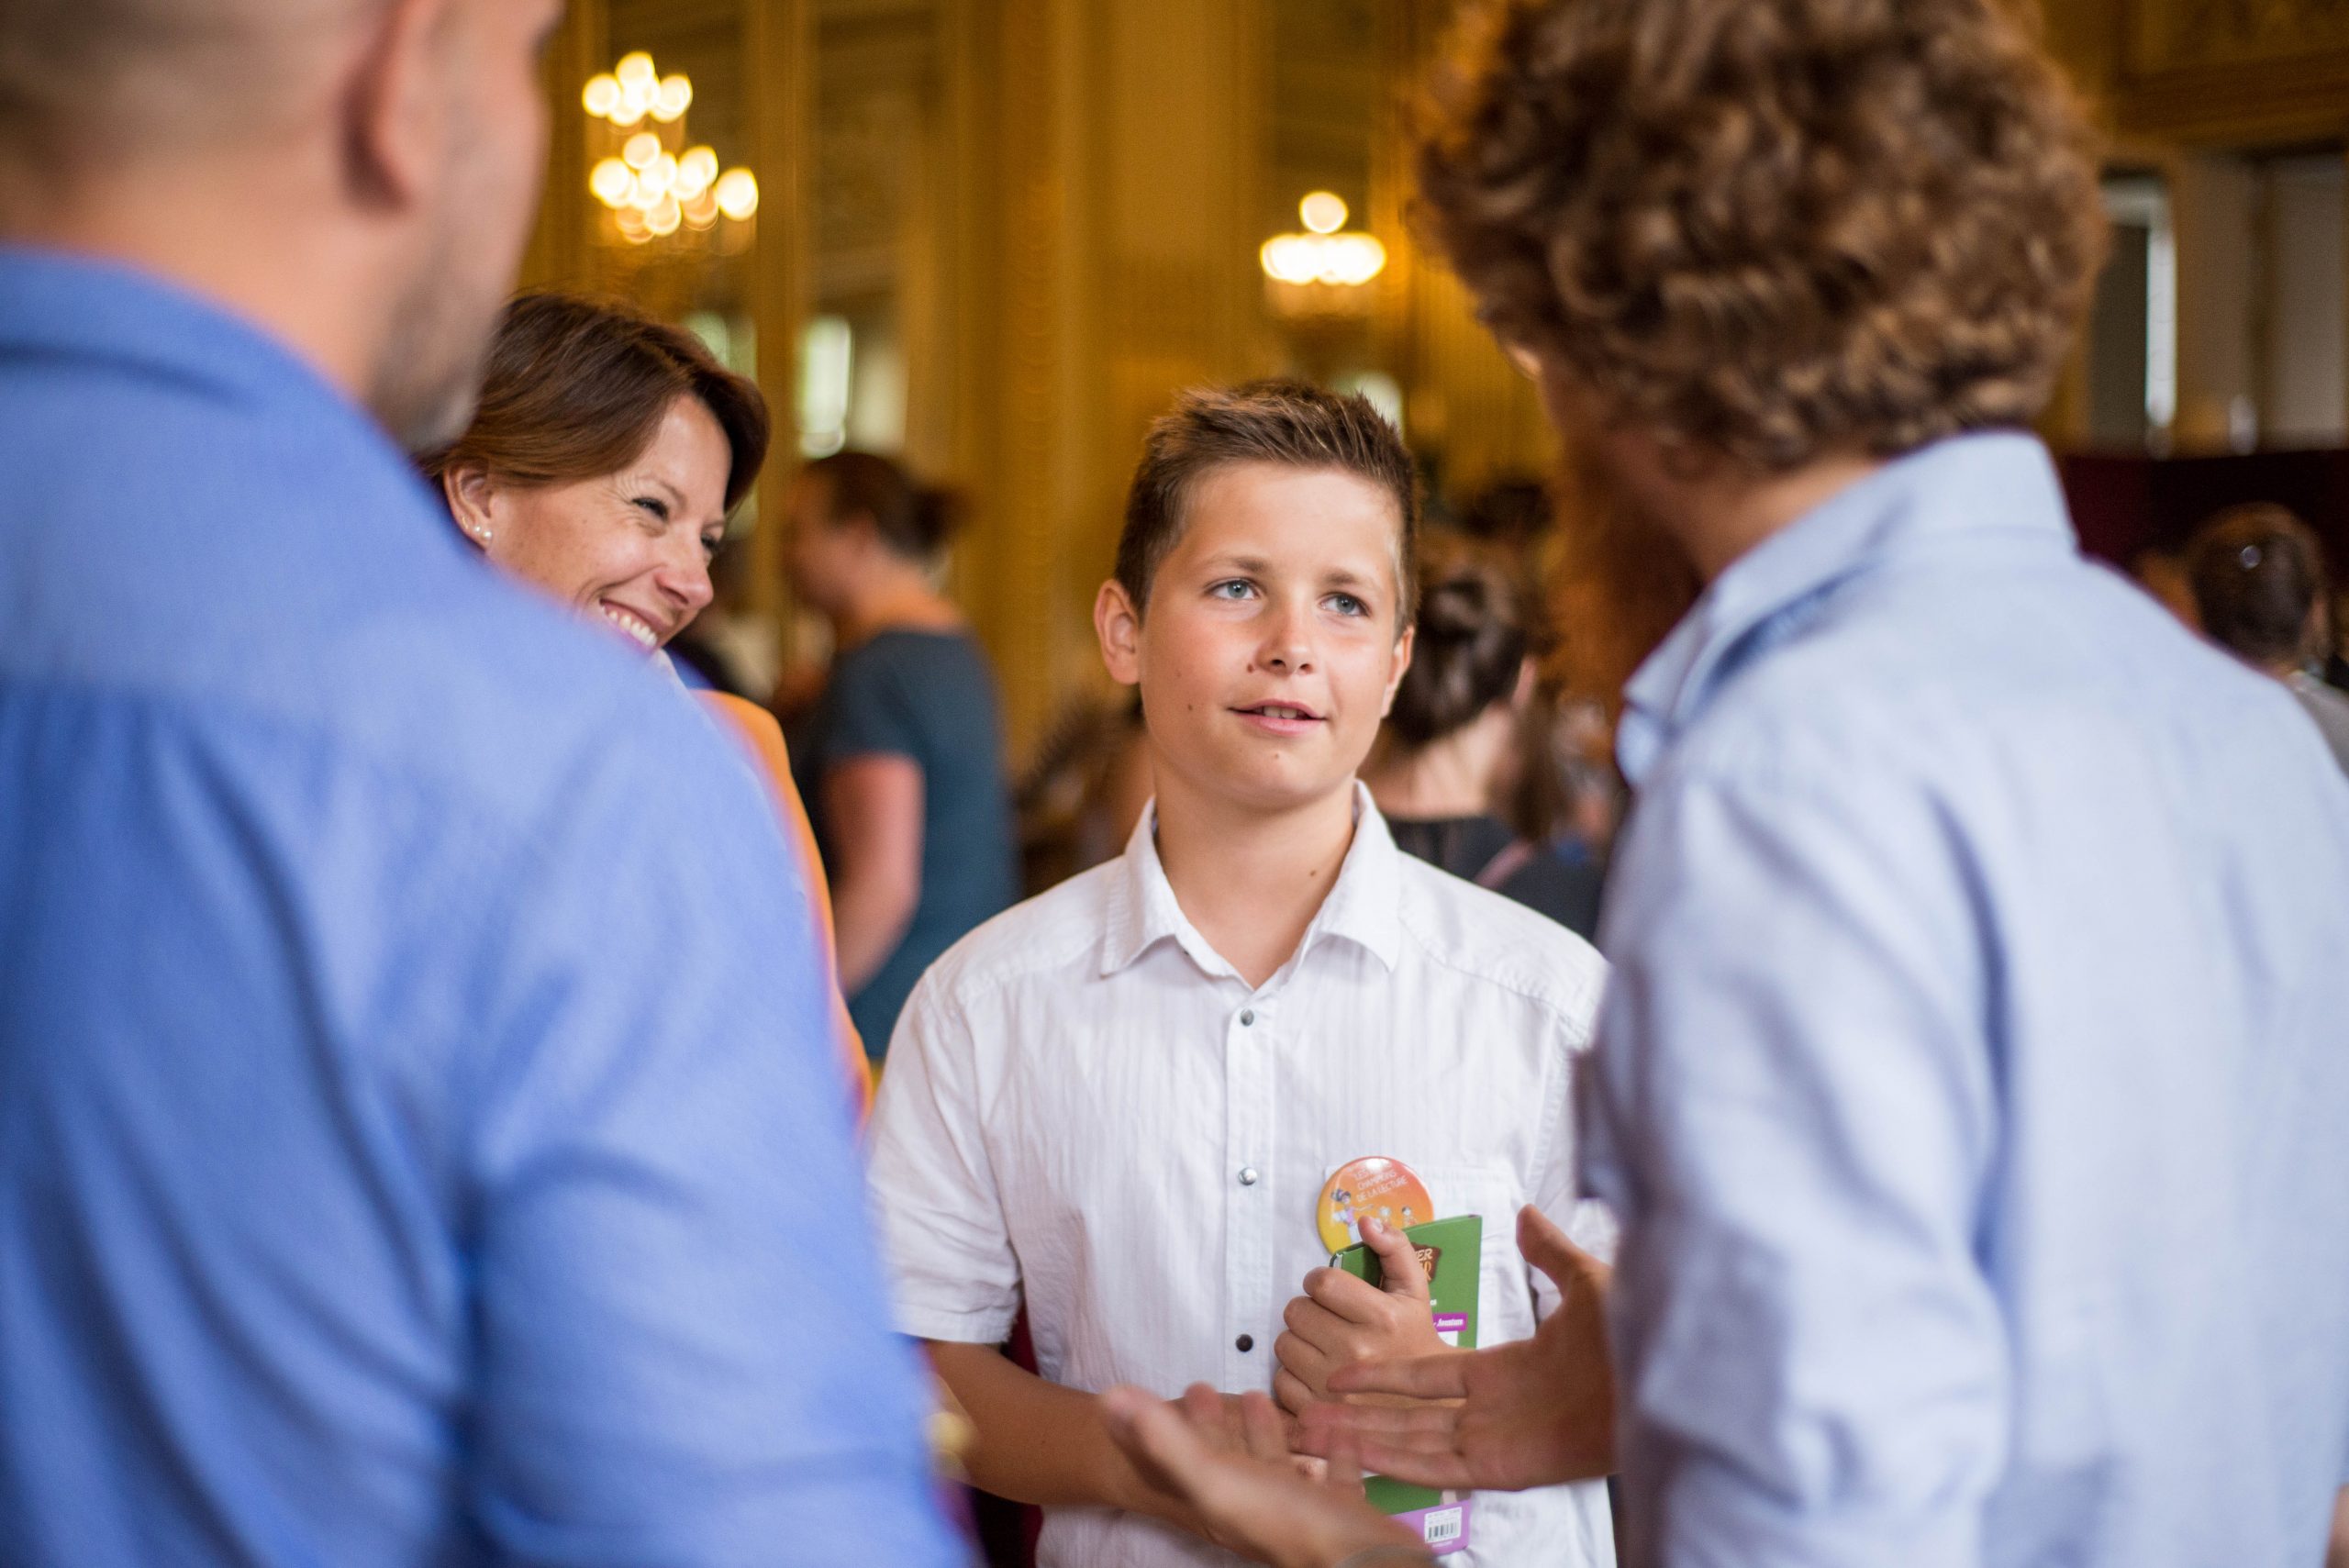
[1280,717]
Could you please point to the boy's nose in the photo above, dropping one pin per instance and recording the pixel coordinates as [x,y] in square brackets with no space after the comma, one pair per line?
[1287,646]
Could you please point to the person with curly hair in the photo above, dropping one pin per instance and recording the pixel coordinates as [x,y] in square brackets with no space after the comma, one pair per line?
[1970,1081]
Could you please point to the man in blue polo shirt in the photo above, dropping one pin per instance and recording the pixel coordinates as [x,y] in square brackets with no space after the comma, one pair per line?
[419,1140]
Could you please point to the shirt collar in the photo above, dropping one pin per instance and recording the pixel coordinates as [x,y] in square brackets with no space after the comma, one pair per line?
[1968,491]
[90,307]
[1363,907]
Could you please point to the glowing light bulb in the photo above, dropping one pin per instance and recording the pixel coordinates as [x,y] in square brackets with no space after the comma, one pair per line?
[1324,212]
[641,150]
[611,181]
[1290,258]
[675,97]
[695,171]
[634,67]
[737,194]
[701,209]
[601,95]
[665,216]
[663,173]
[1354,258]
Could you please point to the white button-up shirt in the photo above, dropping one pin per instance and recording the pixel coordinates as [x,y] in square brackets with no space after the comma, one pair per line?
[1088,1109]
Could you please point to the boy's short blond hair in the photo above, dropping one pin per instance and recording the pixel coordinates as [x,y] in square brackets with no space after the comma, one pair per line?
[1291,423]
[1771,229]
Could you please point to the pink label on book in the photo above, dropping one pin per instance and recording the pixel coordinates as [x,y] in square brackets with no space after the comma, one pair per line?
[1443,1528]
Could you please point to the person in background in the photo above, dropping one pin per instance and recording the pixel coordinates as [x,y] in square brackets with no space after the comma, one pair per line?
[602,460]
[2259,586]
[420,1137]
[900,758]
[1452,745]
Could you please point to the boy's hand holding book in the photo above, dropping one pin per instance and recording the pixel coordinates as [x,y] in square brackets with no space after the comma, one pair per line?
[1534,1413]
[1340,1321]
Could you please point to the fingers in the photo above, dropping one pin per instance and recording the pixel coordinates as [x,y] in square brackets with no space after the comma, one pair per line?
[1160,1441]
[1342,1297]
[1420,1377]
[1304,1363]
[1406,1424]
[1546,1247]
[1296,1395]
[1266,1433]
[1420,1445]
[1320,1326]
[1443,1469]
[1398,1261]
[1212,1418]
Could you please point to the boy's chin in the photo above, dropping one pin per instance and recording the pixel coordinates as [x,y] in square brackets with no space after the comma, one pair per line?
[1272,791]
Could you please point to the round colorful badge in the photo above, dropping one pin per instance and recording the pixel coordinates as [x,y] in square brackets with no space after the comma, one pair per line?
[1371,1187]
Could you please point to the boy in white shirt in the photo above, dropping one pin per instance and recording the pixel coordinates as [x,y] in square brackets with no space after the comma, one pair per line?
[1118,1102]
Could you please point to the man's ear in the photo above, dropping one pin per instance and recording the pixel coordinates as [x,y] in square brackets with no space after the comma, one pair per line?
[1402,667]
[397,106]
[1118,623]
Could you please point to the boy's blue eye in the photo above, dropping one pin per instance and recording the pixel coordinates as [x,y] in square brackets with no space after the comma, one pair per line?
[1233,588]
[1347,605]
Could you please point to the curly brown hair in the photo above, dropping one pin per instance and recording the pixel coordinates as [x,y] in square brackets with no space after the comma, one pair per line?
[1770,229]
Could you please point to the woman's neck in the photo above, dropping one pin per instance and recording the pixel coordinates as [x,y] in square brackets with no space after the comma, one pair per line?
[893,599]
[1250,881]
[1451,777]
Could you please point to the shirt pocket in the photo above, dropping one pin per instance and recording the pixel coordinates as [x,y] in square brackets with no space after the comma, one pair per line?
[1494,1194]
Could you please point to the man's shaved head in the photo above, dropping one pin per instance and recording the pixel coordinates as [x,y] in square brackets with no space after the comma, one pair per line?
[356,177]
[106,79]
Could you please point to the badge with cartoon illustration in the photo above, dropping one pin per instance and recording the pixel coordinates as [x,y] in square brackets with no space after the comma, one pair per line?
[1371,1187]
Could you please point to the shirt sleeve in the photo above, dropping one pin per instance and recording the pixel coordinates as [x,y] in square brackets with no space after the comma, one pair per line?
[1557,1187]
[876,711]
[683,1348]
[1791,1111]
[943,1223]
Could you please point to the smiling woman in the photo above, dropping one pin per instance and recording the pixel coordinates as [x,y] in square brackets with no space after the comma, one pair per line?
[601,463]
[607,451]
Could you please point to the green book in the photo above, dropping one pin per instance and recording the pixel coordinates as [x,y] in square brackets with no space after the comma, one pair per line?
[1451,1252]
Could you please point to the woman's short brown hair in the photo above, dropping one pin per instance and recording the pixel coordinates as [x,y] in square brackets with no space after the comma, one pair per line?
[1771,229]
[1291,423]
[575,388]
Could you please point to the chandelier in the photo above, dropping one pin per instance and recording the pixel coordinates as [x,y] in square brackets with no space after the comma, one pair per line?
[1321,271]
[653,183]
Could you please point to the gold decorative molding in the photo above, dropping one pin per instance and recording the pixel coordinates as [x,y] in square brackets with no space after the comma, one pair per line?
[2208,72]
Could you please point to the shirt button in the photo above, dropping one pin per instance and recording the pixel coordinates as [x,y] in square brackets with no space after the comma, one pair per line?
[1247,1175]
[1246,1342]
[1247,1018]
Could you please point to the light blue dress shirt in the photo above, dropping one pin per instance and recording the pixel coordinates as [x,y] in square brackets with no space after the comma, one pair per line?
[420,1137]
[1974,1080]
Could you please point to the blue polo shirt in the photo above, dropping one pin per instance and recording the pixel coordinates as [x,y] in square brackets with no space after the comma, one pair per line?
[420,1141]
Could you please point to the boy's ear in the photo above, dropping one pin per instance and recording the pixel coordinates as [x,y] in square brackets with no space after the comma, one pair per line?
[1118,625]
[1402,666]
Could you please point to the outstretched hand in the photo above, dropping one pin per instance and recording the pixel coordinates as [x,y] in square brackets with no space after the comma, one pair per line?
[1534,1413]
[1240,1483]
